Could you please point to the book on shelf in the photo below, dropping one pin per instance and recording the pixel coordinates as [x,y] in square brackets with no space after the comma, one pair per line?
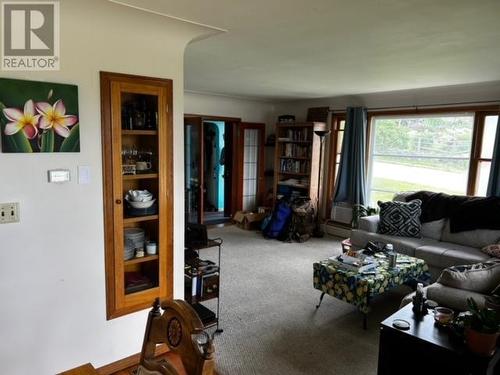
[298,134]
[294,150]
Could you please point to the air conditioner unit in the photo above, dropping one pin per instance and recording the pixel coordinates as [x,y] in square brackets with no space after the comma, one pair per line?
[342,213]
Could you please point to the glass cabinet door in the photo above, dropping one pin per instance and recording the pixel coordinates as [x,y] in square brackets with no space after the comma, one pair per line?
[138,264]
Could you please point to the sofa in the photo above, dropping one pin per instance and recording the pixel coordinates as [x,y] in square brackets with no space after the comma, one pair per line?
[457,284]
[439,246]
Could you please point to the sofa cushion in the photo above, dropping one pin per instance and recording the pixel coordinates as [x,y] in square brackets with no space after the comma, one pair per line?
[453,298]
[433,229]
[400,218]
[403,245]
[475,238]
[369,223]
[445,254]
[492,250]
[480,277]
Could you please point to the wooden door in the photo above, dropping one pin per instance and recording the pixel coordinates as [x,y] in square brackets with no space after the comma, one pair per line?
[249,174]
[193,171]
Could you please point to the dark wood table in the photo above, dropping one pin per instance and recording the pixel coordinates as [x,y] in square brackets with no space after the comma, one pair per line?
[427,349]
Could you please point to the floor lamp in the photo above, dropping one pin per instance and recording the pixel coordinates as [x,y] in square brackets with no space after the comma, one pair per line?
[321,130]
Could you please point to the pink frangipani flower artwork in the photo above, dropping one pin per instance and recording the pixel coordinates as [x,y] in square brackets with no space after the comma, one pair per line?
[54,117]
[26,120]
[38,117]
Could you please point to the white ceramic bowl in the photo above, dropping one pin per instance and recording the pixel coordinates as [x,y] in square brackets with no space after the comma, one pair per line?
[146,204]
[139,195]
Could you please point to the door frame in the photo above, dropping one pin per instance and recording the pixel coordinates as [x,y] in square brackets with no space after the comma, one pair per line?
[234,124]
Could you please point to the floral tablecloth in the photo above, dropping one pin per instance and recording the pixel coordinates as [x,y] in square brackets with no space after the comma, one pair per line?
[358,289]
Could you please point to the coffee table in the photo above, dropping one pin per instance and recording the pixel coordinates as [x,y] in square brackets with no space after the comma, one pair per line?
[359,289]
[426,349]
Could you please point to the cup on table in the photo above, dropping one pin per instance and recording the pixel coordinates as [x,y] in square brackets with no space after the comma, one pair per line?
[443,315]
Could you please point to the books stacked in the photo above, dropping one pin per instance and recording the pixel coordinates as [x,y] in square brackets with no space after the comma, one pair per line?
[359,264]
[203,278]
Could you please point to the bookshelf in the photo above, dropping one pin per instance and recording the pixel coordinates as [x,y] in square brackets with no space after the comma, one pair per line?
[296,161]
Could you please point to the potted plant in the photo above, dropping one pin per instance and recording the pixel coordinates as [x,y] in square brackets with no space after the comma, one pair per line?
[358,211]
[482,329]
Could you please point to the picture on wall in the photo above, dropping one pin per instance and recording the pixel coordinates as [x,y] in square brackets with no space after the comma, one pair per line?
[38,117]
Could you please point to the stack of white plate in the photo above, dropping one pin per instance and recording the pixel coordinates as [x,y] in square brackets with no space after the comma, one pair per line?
[134,238]
[129,249]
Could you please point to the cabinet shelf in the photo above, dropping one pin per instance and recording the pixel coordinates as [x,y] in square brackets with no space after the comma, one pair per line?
[298,186]
[144,176]
[138,219]
[140,132]
[146,258]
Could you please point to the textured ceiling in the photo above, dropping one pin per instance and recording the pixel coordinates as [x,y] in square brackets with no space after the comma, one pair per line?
[303,49]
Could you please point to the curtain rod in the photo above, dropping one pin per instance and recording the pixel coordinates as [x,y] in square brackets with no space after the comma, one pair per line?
[416,107]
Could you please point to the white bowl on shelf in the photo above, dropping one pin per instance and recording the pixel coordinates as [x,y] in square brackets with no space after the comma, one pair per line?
[139,204]
[139,196]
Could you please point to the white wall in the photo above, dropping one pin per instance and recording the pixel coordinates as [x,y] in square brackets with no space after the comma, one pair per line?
[219,105]
[52,281]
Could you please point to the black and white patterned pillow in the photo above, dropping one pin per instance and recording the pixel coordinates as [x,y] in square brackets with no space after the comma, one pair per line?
[400,218]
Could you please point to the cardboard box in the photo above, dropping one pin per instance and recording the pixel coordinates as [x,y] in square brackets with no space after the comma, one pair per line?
[248,220]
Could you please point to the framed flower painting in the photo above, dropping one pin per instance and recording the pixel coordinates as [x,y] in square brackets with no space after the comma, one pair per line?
[38,116]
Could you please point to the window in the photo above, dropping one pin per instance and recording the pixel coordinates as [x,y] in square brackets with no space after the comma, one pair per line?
[420,152]
[487,128]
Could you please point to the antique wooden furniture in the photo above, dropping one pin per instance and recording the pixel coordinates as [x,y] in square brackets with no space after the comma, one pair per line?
[296,161]
[427,349]
[191,348]
[137,155]
[86,369]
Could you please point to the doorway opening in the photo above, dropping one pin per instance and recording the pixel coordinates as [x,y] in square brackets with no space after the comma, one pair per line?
[208,149]
[214,173]
[224,167]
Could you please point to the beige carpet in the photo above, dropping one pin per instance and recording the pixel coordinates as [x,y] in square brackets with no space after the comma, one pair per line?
[268,311]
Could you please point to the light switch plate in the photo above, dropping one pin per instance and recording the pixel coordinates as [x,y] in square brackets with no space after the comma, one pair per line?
[9,213]
[83,175]
[59,175]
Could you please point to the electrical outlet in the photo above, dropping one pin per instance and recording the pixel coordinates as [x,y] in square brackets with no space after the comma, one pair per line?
[9,213]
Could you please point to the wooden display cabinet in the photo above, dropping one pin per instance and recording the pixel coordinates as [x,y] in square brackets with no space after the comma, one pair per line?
[137,155]
[296,161]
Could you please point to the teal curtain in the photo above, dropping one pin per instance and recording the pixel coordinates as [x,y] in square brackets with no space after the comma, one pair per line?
[350,186]
[494,180]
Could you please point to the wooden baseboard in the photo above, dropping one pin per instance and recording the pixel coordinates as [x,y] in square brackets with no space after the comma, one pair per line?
[127,362]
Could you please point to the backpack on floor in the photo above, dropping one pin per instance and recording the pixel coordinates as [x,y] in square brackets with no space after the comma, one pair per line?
[303,223]
[279,222]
